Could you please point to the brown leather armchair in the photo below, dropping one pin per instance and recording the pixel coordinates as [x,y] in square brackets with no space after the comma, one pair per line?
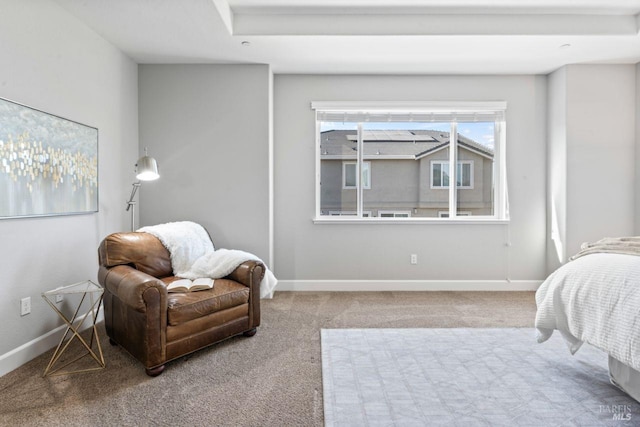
[155,326]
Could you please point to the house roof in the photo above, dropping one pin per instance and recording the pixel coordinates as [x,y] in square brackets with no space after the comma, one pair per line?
[410,144]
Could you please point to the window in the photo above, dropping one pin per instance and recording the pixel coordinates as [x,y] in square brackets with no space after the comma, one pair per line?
[416,149]
[394,214]
[349,213]
[440,174]
[349,175]
[445,214]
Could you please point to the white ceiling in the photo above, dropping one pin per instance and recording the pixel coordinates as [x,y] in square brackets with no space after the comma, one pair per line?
[371,36]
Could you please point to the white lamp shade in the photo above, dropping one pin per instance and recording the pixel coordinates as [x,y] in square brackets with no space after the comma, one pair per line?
[147,169]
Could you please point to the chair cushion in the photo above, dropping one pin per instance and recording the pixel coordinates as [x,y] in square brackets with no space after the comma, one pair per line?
[183,307]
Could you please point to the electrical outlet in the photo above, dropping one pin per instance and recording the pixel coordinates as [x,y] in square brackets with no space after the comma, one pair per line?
[414,259]
[25,306]
[59,298]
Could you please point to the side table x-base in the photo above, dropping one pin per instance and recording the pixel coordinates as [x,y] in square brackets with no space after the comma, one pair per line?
[86,289]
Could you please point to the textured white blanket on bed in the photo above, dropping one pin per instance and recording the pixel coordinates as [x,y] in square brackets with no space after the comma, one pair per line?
[194,256]
[594,299]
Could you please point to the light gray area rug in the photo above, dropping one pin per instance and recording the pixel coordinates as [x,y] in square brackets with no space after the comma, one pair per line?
[466,377]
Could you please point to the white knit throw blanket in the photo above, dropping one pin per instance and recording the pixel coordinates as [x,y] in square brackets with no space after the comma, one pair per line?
[193,255]
[186,242]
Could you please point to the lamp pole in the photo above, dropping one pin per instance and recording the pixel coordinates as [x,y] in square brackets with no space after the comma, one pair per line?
[131,204]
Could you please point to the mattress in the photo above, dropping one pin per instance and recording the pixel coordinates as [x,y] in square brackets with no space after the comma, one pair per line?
[625,378]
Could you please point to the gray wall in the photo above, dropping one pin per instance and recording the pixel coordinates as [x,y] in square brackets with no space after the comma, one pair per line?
[308,251]
[208,127]
[601,144]
[54,63]
[593,137]
[557,169]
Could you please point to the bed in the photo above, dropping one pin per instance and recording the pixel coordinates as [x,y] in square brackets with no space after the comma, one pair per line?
[595,299]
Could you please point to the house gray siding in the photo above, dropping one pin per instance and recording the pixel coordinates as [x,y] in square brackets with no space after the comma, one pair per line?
[405,185]
[395,185]
[332,196]
[477,200]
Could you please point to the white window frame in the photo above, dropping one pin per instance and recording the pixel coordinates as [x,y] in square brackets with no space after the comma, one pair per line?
[446,187]
[363,111]
[366,185]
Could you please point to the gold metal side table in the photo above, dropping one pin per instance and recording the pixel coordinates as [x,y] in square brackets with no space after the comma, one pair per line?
[74,325]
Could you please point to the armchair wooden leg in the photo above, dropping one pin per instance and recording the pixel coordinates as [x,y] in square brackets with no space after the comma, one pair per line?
[250,332]
[154,372]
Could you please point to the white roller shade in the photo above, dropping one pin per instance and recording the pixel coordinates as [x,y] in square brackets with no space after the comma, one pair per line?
[344,112]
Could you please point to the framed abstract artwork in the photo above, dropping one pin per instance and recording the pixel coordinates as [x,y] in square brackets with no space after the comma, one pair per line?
[48,164]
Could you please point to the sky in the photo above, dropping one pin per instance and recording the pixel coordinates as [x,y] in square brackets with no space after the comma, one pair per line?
[481,132]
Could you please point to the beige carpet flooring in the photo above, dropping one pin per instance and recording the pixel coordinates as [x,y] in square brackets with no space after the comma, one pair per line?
[271,379]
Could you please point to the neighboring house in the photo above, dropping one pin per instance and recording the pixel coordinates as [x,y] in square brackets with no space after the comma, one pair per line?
[405,174]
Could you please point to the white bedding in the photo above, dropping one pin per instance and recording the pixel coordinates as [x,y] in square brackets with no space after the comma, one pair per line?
[594,299]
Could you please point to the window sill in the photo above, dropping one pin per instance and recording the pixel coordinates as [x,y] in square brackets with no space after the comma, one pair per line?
[447,221]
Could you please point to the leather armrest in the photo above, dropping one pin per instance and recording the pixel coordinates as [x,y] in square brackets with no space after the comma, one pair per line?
[136,312]
[250,274]
[247,272]
[130,285]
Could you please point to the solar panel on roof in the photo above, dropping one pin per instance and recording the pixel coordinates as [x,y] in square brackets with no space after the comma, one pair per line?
[392,135]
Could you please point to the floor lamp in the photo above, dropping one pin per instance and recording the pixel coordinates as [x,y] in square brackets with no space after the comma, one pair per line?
[146,170]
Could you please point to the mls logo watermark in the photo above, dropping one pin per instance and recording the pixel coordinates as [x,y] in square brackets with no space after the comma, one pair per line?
[618,412]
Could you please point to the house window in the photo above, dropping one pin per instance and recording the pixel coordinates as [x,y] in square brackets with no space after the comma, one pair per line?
[349,213]
[394,214]
[417,149]
[440,174]
[349,175]
[445,214]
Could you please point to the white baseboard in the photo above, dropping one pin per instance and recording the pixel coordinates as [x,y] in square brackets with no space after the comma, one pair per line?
[19,356]
[407,285]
